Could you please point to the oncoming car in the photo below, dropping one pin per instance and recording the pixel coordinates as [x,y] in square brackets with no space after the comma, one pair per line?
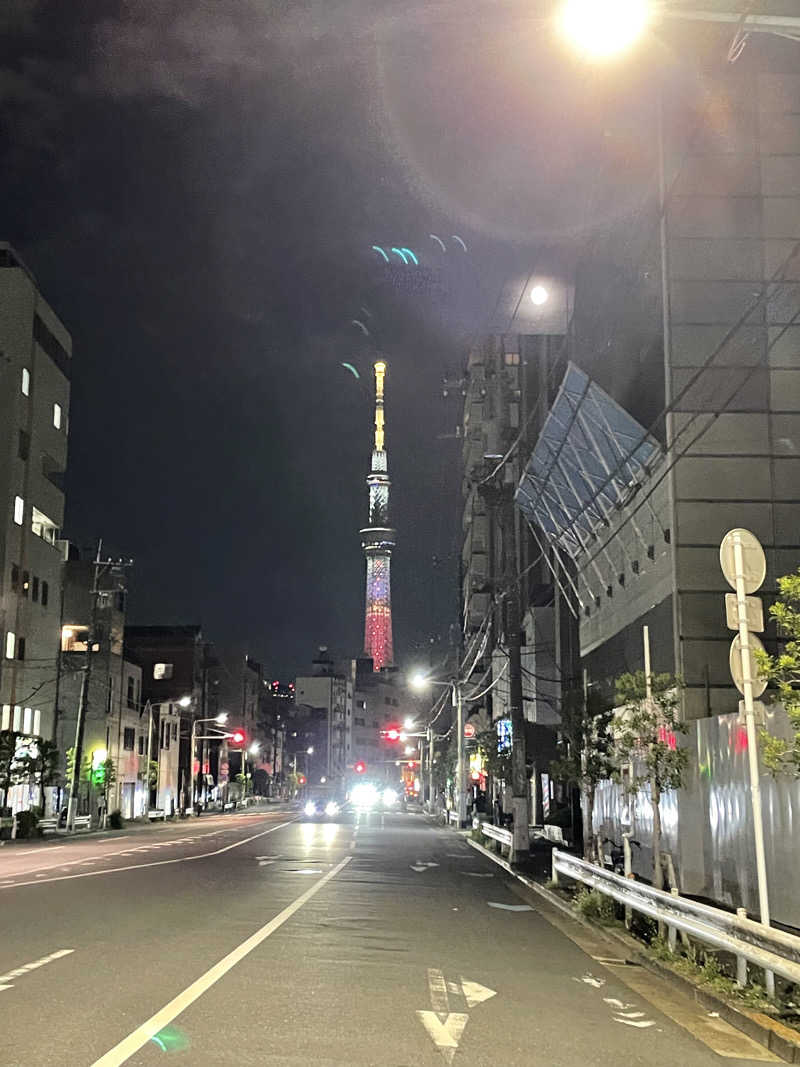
[320,804]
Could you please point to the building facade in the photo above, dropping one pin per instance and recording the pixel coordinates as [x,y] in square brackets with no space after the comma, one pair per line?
[35,371]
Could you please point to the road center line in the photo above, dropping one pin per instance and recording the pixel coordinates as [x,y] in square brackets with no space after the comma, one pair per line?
[142,1034]
[154,863]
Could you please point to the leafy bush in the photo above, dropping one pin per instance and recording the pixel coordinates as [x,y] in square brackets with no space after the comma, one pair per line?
[115,820]
[595,906]
[27,824]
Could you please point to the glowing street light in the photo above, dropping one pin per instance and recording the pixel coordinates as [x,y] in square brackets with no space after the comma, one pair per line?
[419,682]
[184,702]
[409,724]
[604,28]
[539,295]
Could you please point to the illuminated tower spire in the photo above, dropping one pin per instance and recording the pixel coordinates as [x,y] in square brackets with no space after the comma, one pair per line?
[377,540]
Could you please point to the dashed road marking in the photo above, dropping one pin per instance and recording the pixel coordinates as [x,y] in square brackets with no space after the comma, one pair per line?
[33,966]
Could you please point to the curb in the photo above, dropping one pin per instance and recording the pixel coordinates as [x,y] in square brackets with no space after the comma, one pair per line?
[773,1035]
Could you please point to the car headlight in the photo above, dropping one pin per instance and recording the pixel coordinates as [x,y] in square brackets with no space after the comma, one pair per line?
[331,808]
[310,808]
[364,795]
[389,797]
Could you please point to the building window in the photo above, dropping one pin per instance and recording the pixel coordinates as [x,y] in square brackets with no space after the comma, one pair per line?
[23,445]
[359,722]
[15,577]
[141,744]
[19,510]
[27,721]
[11,644]
[128,738]
[57,416]
[17,724]
[43,527]
[20,648]
[5,719]
[26,583]
[35,590]
[162,672]
[47,340]
[26,382]
[37,722]
[130,698]
[165,735]
[45,594]
[174,731]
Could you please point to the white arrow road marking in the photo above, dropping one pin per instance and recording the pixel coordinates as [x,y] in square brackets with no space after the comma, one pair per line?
[34,965]
[509,907]
[475,993]
[630,1014]
[418,869]
[617,1003]
[590,979]
[445,1032]
[631,1022]
[437,987]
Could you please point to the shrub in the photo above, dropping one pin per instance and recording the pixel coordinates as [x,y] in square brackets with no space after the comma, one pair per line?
[115,820]
[27,824]
[595,906]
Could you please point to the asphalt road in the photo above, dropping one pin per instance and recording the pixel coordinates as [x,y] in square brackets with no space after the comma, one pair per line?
[261,939]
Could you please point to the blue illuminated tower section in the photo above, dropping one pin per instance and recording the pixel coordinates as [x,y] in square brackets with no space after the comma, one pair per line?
[377,540]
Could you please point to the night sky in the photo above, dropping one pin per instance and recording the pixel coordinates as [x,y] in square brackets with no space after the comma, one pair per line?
[196,185]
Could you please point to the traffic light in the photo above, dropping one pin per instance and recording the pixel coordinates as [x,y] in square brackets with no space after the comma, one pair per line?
[237,737]
[360,767]
[393,733]
[301,779]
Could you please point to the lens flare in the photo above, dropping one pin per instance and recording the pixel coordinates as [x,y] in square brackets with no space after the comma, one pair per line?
[604,28]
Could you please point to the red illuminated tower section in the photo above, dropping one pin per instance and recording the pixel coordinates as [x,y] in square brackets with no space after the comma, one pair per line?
[377,540]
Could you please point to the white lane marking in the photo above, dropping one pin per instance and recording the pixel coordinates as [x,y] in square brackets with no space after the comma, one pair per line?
[109,855]
[590,979]
[639,1025]
[153,863]
[617,1003]
[265,863]
[630,1014]
[509,907]
[477,874]
[50,848]
[418,869]
[34,965]
[142,1034]
[444,1027]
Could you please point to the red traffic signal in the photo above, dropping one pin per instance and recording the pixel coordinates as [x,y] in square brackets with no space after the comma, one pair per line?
[301,779]
[237,737]
[360,767]
[393,734]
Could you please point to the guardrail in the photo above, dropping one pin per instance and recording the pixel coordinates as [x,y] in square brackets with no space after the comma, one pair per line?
[497,833]
[762,946]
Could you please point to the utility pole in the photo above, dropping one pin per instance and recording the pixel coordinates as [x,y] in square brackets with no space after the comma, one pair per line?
[461,793]
[74,789]
[519,774]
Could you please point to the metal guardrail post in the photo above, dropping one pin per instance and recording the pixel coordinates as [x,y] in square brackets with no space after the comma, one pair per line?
[672,931]
[626,849]
[741,961]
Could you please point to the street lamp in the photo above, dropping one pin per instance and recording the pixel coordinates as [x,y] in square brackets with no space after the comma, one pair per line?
[539,295]
[420,682]
[601,29]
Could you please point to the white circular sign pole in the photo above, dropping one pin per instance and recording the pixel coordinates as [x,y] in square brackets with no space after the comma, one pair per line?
[746,577]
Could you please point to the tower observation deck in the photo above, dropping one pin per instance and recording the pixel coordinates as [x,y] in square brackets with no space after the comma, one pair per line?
[378,540]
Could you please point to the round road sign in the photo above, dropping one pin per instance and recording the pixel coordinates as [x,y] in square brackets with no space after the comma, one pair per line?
[469,729]
[754,562]
[735,660]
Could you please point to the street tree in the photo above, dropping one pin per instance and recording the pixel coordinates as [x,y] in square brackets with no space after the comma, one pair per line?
[38,763]
[783,671]
[585,753]
[8,751]
[645,732]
